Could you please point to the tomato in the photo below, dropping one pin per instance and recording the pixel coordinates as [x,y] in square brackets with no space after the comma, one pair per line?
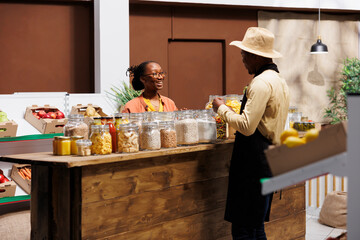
[3,179]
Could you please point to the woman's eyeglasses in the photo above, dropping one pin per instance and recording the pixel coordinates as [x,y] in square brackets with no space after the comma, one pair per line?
[157,74]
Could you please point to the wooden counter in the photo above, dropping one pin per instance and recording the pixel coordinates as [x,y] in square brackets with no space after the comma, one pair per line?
[178,193]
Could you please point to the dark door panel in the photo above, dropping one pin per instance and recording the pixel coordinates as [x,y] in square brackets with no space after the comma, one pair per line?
[195,72]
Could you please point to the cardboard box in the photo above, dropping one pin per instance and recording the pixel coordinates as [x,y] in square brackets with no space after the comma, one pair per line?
[10,128]
[81,109]
[25,184]
[331,141]
[45,125]
[7,189]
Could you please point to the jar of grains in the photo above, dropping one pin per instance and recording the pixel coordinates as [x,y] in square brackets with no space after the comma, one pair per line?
[206,127]
[167,134]
[186,129]
[150,136]
[76,126]
[101,139]
[128,138]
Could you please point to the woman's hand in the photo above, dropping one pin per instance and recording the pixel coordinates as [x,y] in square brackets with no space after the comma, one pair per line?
[217,102]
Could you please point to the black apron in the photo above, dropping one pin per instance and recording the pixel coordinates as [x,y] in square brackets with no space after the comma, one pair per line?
[245,205]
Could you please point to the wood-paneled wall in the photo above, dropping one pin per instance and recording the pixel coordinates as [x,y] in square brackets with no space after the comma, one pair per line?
[174,197]
[154,30]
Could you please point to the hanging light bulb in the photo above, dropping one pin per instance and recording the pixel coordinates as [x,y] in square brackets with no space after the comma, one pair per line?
[319,47]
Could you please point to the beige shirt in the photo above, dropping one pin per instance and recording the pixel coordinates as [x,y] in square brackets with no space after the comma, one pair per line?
[266,107]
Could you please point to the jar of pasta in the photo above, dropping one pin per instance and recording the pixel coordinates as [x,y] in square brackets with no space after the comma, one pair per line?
[167,134]
[186,128]
[150,136]
[76,126]
[128,138]
[101,139]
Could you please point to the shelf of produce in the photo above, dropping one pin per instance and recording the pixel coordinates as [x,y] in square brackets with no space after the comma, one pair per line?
[27,143]
[335,165]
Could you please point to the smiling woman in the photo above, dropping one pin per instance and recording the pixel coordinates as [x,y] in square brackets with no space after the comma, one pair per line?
[148,76]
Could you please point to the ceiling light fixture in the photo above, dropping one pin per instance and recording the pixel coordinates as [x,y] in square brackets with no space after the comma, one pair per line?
[319,47]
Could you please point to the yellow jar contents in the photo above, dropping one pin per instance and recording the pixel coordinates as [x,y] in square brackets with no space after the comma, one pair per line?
[101,140]
[55,145]
[64,146]
[97,120]
[74,149]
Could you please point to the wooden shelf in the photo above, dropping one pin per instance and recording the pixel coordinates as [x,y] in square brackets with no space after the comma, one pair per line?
[77,161]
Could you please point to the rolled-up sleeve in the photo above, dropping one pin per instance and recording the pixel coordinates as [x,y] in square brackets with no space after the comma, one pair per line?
[258,95]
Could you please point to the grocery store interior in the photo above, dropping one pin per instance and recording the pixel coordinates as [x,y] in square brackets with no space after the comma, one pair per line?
[69,57]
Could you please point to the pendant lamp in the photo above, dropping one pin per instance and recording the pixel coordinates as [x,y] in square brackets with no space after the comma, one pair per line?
[319,47]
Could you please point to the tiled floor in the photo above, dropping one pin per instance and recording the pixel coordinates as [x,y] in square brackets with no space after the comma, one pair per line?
[317,231]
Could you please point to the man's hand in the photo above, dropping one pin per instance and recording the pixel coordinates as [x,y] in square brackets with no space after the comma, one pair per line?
[217,102]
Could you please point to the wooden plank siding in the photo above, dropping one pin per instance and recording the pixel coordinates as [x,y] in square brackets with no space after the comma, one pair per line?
[135,196]
[179,195]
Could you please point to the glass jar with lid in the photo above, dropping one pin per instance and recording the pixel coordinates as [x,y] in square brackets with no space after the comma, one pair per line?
[74,149]
[83,147]
[150,136]
[106,119]
[136,118]
[167,134]
[206,127]
[211,99]
[101,139]
[128,138]
[186,128]
[233,101]
[151,117]
[97,120]
[64,146]
[121,118]
[76,126]
[161,116]
[56,144]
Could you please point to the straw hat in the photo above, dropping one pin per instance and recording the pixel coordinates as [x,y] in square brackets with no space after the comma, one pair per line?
[258,41]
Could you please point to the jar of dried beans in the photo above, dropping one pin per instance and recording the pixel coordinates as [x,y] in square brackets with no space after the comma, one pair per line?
[167,134]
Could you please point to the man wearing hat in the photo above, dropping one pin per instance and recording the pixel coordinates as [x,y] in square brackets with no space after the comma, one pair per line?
[261,120]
